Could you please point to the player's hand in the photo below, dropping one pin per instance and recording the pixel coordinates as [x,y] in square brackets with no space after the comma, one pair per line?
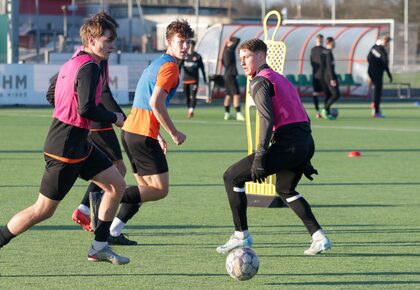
[163,144]
[120,119]
[309,170]
[178,137]
[333,83]
[258,173]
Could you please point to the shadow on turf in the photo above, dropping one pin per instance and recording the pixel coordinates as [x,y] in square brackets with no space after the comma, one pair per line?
[21,151]
[34,186]
[346,283]
[206,151]
[359,183]
[260,274]
[368,150]
[113,275]
[353,205]
[352,255]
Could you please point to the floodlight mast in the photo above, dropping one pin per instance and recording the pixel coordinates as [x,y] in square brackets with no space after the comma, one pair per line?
[12,8]
[405,33]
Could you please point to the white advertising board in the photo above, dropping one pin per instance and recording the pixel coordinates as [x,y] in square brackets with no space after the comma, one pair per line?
[27,84]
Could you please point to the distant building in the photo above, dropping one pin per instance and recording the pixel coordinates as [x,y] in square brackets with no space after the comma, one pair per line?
[145,23]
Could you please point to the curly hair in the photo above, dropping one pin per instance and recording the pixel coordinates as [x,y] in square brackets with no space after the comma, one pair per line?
[181,27]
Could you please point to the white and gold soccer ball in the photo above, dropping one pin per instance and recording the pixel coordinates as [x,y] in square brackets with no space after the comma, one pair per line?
[242,264]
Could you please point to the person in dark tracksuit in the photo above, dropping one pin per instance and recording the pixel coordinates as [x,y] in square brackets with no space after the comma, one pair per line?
[378,63]
[285,148]
[316,53]
[191,65]
[330,81]
[229,78]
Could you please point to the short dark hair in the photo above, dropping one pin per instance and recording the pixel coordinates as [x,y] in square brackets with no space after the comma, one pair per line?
[181,27]
[330,39]
[254,45]
[319,36]
[386,38]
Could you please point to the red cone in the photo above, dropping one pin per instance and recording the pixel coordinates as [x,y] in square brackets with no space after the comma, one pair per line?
[354,154]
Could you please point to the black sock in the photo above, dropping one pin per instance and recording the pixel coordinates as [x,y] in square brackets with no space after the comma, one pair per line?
[5,236]
[238,109]
[102,231]
[237,201]
[316,103]
[131,195]
[302,209]
[127,211]
[227,109]
[91,188]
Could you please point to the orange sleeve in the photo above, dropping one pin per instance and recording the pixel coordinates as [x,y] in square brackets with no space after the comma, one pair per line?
[168,76]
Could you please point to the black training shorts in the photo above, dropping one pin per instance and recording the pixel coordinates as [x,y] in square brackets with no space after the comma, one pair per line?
[59,176]
[145,154]
[317,85]
[107,142]
[231,85]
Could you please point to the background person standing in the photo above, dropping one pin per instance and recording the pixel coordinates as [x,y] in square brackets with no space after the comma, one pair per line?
[316,53]
[229,77]
[330,81]
[378,63]
[191,64]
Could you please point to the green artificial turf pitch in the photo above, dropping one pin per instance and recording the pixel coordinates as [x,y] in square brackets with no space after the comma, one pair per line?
[369,206]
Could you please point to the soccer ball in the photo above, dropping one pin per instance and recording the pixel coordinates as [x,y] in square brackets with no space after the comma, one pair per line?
[242,264]
[334,112]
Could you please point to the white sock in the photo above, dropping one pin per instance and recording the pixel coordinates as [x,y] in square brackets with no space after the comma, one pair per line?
[116,227]
[84,209]
[191,110]
[318,235]
[97,246]
[241,235]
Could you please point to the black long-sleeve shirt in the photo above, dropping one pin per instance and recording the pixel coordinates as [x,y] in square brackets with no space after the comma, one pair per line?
[261,91]
[229,58]
[316,61]
[378,62]
[191,65]
[68,141]
[328,65]
[107,99]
